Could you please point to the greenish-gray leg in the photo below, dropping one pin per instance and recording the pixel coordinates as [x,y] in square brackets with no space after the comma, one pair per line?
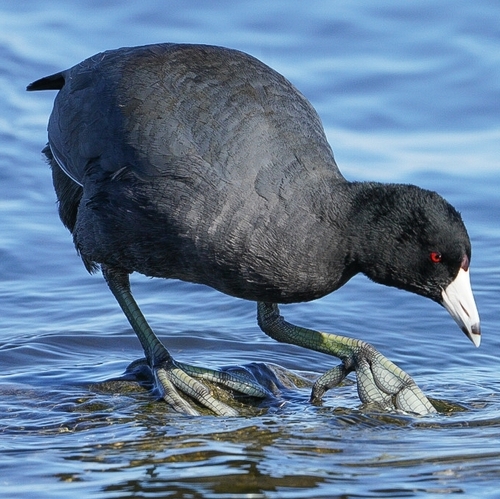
[172,376]
[379,380]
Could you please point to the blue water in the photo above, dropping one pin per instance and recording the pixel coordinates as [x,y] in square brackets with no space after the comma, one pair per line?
[408,92]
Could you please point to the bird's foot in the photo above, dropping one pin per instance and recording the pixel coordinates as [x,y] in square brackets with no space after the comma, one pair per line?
[178,382]
[380,381]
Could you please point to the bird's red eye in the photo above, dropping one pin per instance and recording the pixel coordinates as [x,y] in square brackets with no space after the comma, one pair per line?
[435,256]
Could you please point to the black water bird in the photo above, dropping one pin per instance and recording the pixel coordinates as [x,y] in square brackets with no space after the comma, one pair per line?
[203,164]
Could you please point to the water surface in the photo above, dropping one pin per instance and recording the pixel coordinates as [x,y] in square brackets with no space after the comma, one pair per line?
[408,92]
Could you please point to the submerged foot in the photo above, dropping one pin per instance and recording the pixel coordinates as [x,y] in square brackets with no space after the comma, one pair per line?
[187,388]
[175,378]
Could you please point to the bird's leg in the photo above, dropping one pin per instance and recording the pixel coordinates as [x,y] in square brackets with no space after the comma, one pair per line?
[171,376]
[379,380]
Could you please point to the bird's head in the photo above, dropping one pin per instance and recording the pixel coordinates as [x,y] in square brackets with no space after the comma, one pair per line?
[415,240]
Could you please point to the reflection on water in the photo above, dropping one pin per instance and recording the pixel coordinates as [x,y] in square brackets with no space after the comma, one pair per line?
[407,92]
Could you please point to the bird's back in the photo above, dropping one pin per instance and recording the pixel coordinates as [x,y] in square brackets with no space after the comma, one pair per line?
[150,106]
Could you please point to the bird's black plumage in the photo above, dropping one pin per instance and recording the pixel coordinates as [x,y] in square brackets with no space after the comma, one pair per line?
[203,164]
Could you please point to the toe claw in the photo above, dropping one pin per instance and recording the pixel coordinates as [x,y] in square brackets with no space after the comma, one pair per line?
[328,380]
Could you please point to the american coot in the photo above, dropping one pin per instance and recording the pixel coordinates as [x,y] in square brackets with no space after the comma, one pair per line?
[203,164]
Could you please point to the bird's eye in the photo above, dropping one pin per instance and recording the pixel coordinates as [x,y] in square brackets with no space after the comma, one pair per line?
[435,256]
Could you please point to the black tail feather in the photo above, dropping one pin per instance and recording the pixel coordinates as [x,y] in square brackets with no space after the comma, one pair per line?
[52,82]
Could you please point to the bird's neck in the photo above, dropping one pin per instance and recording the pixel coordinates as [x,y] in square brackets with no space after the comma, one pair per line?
[374,213]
